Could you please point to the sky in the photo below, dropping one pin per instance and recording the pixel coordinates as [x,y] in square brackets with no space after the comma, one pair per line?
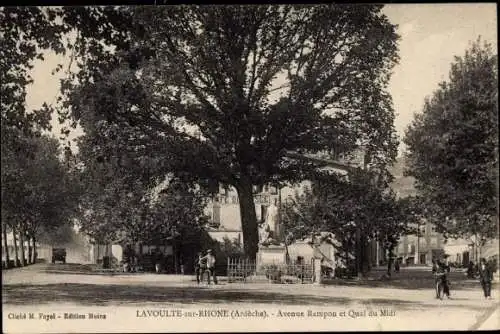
[431,35]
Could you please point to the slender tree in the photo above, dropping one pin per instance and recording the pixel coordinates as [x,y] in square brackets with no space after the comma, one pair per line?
[6,245]
[16,249]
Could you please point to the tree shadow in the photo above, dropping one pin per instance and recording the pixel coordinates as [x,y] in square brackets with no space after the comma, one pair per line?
[407,281]
[101,295]
[404,284]
[122,294]
[69,267]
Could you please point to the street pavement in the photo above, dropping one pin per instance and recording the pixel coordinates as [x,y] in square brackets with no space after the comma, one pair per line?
[492,322]
[369,305]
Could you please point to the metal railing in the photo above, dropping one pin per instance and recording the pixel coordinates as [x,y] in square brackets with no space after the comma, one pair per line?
[240,270]
[243,270]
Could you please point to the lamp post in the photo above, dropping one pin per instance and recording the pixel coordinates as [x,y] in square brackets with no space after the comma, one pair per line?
[417,248]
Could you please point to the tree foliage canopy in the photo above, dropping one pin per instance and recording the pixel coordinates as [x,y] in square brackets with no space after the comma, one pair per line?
[214,70]
[453,146]
[25,33]
[343,207]
[120,204]
[38,192]
[223,93]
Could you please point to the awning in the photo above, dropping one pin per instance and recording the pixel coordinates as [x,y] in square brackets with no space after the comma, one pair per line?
[490,253]
[490,249]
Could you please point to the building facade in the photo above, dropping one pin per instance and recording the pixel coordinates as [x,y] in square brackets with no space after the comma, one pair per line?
[224,211]
[421,249]
[462,251]
[77,250]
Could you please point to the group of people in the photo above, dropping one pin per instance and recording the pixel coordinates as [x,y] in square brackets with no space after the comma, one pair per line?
[441,269]
[205,264]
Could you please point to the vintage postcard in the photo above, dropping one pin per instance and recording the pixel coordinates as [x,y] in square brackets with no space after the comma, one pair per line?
[244,168]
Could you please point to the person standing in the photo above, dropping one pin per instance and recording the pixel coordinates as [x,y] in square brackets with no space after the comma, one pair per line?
[200,267]
[485,277]
[470,270]
[390,261]
[135,264]
[210,258]
[156,256]
[434,265]
[396,266]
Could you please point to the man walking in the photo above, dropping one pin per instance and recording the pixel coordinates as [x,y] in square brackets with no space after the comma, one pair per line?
[396,266]
[485,276]
[470,270]
[441,270]
[200,267]
[210,259]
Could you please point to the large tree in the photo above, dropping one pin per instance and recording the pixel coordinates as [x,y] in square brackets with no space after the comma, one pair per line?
[225,92]
[453,147]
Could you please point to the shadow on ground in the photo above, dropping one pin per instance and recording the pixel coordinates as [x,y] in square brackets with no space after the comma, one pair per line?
[408,280]
[91,294]
[406,284]
[102,295]
[70,267]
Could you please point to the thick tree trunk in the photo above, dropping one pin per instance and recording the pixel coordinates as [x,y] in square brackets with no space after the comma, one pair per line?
[6,245]
[23,255]
[35,255]
[16,250]
[248,219]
